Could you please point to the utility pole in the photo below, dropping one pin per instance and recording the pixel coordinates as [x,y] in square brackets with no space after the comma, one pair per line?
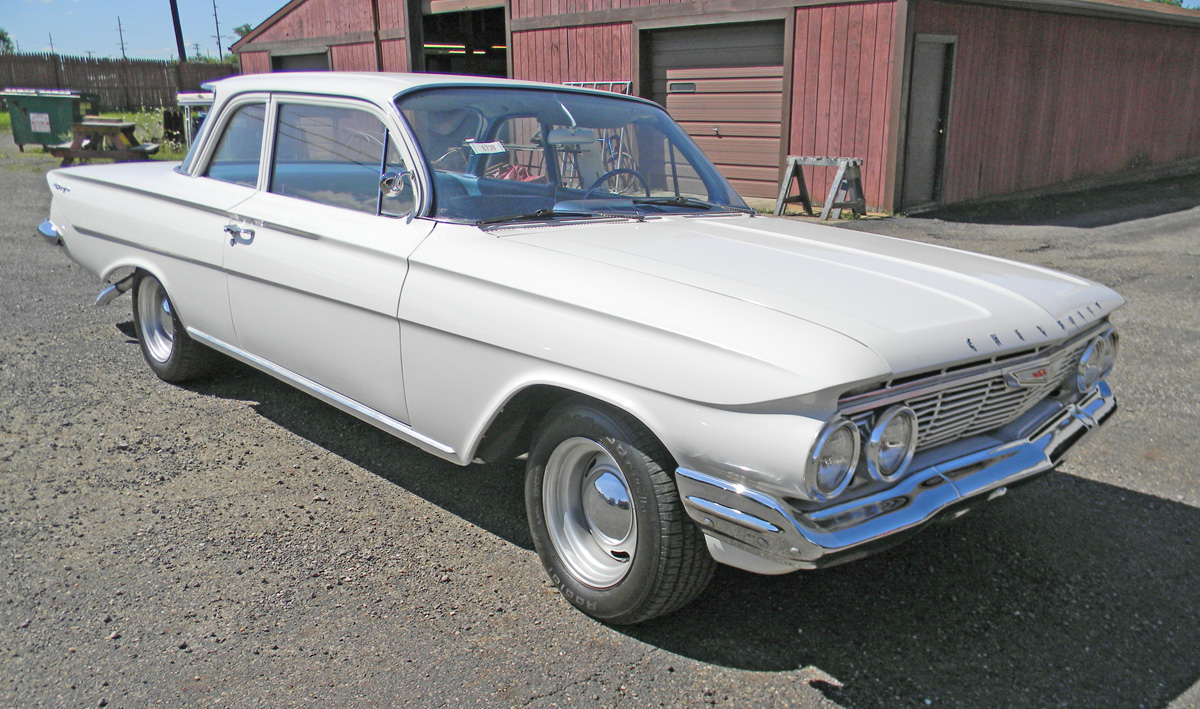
[220,51]
[178,31]
[121,34]
[51,35]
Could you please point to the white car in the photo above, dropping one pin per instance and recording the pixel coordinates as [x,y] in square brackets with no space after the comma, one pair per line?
[488,269]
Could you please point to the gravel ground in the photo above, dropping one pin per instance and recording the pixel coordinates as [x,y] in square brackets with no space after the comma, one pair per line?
[236,543]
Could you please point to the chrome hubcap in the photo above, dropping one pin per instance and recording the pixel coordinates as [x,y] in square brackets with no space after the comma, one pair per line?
[589,512]
[155,324]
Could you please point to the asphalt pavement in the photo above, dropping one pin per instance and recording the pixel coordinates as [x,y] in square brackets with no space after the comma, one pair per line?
[236,543]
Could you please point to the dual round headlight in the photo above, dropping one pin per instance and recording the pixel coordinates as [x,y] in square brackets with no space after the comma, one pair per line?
[1097,360]
[834,457]
[832,460]
[892,443]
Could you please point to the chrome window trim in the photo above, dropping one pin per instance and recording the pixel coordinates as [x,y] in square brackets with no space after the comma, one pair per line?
[391,120]
[228,108]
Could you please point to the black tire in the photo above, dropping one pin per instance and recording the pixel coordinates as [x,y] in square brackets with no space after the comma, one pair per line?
[586,457]
[170,352]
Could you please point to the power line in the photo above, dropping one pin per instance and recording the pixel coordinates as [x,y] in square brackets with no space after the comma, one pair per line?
[51,35]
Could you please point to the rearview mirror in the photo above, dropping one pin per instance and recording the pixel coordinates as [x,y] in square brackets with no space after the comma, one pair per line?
[571,136]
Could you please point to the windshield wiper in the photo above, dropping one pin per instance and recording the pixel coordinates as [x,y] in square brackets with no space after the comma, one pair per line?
[556,213]
[693,202]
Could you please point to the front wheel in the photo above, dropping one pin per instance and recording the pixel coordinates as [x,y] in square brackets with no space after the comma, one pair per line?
[170,352]
[606,517]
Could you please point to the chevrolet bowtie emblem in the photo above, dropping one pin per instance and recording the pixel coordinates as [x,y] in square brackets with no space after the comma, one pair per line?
[1027,376]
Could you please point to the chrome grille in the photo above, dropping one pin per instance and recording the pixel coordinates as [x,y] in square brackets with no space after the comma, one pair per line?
[977,402]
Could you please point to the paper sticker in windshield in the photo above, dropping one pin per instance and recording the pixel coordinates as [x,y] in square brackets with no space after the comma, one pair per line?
[487,148]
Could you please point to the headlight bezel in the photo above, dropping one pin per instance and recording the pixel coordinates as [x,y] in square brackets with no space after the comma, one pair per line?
[812,465]
[874,445]
[1096,361]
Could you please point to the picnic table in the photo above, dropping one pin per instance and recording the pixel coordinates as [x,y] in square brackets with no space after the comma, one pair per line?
[93,134]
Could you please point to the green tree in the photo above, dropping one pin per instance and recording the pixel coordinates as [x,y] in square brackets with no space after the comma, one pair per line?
[242,30]
[1176,3]
[6,42]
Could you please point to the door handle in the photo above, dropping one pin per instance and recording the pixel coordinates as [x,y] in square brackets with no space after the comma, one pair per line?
[238,235]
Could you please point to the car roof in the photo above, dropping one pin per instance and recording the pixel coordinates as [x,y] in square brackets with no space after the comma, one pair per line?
[375,86]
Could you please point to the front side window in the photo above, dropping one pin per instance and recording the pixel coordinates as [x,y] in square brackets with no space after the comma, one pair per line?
[494,152]
[336,156]
[236,157]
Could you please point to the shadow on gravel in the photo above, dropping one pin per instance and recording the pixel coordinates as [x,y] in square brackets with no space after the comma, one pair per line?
[489,496]
[1086,209]
[1068,592]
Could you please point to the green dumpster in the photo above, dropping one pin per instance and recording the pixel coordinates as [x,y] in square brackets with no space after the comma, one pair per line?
[45,116]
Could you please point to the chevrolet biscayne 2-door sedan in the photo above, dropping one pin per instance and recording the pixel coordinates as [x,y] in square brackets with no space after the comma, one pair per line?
[489,269]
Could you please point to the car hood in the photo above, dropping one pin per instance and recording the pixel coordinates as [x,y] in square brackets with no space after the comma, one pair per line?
[915,305]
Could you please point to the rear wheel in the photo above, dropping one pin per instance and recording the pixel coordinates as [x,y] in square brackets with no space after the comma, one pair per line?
[170,352]
[606,517]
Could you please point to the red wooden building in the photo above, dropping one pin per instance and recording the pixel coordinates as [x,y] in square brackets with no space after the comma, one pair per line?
[946,101]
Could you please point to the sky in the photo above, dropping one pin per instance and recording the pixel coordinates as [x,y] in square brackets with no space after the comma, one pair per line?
[82,26]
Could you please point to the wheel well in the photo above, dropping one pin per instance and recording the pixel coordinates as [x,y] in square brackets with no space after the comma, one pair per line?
[511,431]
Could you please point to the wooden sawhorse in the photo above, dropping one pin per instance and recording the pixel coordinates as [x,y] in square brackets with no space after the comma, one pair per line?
[846,190]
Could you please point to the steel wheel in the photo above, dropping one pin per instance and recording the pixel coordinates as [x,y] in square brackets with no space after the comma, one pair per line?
[156,326]
[589,512]
[170,352]
[606,518]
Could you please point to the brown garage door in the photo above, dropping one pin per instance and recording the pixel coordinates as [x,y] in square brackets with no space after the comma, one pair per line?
[733,114]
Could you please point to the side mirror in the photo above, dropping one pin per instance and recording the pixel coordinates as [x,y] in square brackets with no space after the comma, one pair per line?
[392,183]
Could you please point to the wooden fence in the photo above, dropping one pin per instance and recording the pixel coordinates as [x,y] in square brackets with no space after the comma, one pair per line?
[122,84]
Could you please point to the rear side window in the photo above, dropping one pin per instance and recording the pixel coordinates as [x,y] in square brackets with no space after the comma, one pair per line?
[332,155]
[236,157]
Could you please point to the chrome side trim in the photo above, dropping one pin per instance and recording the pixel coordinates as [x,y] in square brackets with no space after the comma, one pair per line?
[772,528]
[275,226]
[142,247]
[49,232]
[324,393]
[155,195]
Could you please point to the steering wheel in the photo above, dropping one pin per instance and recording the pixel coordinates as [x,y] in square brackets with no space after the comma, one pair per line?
[611,173]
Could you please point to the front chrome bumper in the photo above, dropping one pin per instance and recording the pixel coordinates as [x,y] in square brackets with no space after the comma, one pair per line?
[743,520]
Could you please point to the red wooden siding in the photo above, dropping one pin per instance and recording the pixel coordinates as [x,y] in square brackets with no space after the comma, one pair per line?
[841,91]
[395,55]
[255,62]
[544,8]
[323,18]
[353,57]
[1040,99]
[592,53]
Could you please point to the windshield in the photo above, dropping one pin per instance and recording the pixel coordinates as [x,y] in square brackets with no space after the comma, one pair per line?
[499,152]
